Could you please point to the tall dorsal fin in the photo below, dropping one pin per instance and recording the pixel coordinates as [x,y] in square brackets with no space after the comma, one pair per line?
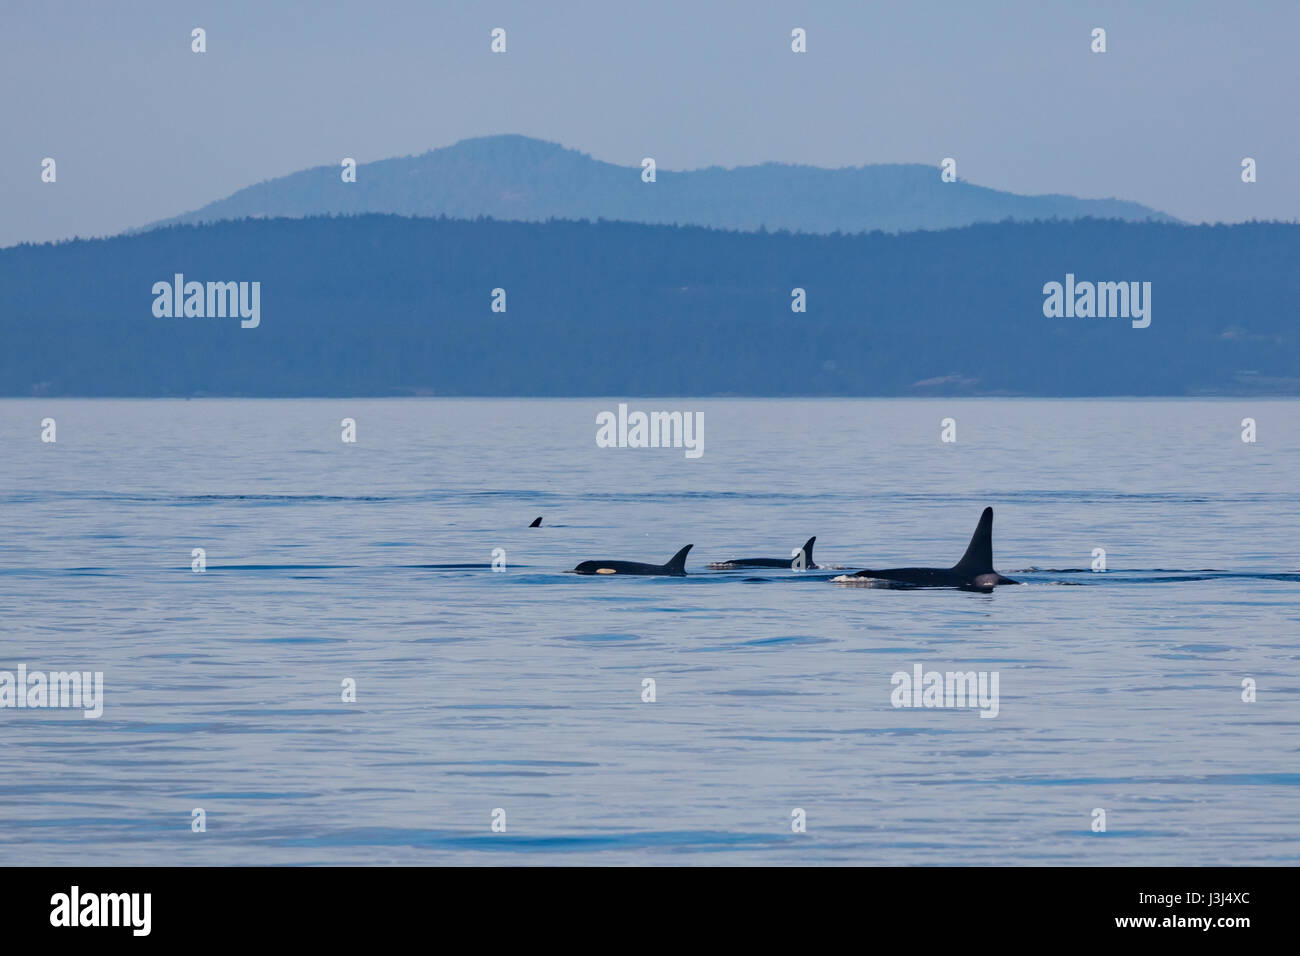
[807,552]
[678,561]
[979,553]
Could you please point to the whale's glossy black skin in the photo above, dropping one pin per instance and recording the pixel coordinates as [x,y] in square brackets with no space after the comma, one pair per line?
[537,522]
[676,566]
[974,572]
[770,562]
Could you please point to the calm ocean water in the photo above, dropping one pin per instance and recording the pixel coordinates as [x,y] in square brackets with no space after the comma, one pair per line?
[521,690]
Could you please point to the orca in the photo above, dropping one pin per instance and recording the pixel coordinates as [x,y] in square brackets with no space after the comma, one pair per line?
[537,522]
[790,562]
[974,572]
[676,566]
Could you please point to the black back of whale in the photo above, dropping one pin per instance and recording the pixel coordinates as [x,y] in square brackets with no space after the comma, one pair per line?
[974,572]
[773,562]
[676,566]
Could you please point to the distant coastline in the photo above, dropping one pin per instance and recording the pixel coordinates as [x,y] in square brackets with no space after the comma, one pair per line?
[386,305]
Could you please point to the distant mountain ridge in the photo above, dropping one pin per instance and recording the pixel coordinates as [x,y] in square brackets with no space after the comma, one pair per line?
[519,178]
[395,305]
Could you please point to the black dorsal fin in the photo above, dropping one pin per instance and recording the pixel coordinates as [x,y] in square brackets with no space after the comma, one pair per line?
[807,552]
[979,553]
[678,561]
[537,522]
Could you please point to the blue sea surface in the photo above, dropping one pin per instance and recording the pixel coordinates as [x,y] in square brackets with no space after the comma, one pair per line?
[521,690]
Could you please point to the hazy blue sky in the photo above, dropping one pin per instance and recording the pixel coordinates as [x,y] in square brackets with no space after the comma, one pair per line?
[141,128]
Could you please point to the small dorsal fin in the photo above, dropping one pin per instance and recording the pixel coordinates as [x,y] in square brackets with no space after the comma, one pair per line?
[537,522]
[979,553]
